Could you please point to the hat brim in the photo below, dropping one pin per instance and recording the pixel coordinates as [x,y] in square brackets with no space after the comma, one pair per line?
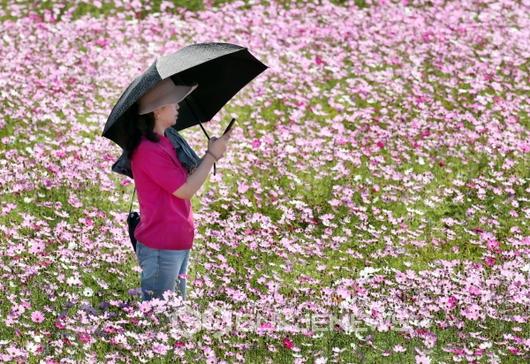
[181,92]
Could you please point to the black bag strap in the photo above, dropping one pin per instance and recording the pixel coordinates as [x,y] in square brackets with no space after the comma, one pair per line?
[132,199]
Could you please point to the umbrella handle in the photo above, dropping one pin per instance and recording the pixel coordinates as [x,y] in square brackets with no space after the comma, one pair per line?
[207,136]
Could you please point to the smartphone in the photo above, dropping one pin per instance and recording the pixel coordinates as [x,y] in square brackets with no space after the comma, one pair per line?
[229,126]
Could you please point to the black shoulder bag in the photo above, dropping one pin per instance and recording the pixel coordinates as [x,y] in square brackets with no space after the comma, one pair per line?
[132,220]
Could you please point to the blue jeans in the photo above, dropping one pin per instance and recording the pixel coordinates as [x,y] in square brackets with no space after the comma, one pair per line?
[161,269]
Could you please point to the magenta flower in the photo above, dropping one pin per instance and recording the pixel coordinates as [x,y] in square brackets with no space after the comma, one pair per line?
[266,326]
[179,344]
[287,343]
[84,337]
[59,324]
[490,261]
[102,42]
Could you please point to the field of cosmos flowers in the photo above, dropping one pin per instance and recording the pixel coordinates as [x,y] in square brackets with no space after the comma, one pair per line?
[372,205]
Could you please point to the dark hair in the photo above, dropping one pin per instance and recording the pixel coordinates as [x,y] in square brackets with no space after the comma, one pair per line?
[140,125]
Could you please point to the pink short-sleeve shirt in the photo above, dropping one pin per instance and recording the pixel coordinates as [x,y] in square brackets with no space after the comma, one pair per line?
[166,221]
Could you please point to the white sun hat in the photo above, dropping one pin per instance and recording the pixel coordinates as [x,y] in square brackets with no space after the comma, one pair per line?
[165,92]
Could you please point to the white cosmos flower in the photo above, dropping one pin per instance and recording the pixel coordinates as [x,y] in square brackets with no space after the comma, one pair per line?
[88,292]
[368,271]
[73,281]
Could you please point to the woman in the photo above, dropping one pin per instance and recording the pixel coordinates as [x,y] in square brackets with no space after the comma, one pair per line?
[165,187]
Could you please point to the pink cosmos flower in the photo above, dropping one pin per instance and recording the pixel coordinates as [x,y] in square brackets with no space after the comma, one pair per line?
[160,348]
[242,187]
[524,147]
[493,244]
[427,36]
[422,359]
[451,302]
[471,312]
[37,317]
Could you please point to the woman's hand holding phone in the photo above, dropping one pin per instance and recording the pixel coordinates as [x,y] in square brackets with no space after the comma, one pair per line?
[218,145]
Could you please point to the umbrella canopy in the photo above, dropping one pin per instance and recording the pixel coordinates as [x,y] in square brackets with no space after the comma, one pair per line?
[219,69]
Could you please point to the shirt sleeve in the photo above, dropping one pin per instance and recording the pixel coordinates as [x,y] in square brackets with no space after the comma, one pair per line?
[160,168]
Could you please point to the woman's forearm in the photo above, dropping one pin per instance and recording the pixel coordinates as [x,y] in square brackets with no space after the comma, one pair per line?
[197,178]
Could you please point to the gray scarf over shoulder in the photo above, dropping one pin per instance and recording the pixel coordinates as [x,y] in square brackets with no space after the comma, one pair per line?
[187,156]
